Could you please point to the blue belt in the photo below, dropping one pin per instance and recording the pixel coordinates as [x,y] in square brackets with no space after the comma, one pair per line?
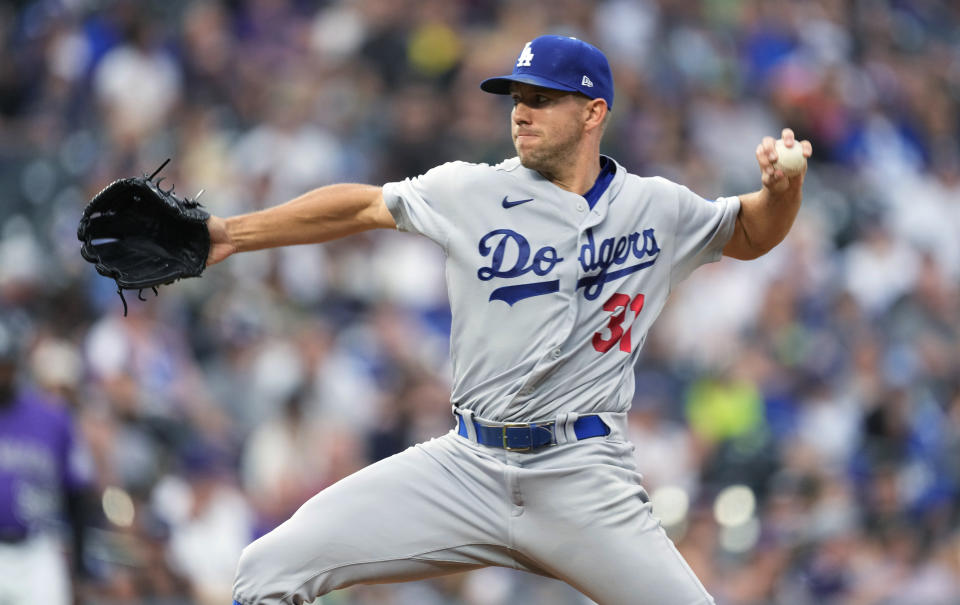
[526,437]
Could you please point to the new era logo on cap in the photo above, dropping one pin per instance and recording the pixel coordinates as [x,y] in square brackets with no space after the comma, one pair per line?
[562,63]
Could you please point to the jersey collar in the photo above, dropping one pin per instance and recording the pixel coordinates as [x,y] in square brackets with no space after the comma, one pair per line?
[611,183]
[608,169]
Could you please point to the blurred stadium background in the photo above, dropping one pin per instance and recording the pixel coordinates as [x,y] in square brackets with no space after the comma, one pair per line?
[797,417]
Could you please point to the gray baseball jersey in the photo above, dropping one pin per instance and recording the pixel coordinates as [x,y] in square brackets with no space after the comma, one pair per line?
[551,299]
[552,295]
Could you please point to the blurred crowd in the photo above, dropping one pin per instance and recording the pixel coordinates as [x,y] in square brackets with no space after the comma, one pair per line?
[797,418]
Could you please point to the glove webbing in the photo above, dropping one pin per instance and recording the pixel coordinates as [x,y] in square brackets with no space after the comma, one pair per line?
[117,280]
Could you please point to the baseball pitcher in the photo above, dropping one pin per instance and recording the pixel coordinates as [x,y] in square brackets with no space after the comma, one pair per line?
[558,261]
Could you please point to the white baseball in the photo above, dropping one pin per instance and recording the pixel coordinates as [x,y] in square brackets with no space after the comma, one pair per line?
[790,159]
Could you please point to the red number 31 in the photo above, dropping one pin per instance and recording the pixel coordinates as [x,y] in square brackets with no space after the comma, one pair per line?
[619,302]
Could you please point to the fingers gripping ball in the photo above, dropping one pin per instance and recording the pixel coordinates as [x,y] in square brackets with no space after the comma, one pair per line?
[143,236]
[790,159]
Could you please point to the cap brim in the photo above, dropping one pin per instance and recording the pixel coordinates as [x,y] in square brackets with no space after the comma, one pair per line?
[501,84]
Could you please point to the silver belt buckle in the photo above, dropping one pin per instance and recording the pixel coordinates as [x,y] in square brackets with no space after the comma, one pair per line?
[503,433]
[550,427]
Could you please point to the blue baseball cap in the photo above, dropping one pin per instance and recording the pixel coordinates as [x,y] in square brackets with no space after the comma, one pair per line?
[560,63]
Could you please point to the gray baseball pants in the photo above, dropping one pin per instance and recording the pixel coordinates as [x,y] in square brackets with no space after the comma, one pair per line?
[575,511]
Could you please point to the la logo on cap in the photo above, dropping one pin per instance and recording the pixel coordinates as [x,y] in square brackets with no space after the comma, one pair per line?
[525,56]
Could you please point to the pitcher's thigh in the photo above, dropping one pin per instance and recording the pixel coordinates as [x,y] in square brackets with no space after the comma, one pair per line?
[640,567]
[403,518]
[589,522]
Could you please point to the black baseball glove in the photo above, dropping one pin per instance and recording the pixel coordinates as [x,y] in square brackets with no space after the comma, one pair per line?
[142,236]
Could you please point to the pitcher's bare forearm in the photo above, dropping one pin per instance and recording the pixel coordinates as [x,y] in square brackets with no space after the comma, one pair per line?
[766,215]
[317,216]
[764,221]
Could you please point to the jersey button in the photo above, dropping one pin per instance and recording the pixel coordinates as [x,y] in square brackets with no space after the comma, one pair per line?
[526,391]
[556,353]
[580,207]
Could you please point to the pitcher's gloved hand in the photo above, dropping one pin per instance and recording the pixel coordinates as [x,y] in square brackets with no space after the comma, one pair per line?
[143,236]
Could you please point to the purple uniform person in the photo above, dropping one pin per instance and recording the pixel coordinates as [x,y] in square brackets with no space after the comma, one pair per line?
[43,475]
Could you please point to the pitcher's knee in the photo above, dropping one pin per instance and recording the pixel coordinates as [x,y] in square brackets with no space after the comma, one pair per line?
[260,575]
[270,572]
